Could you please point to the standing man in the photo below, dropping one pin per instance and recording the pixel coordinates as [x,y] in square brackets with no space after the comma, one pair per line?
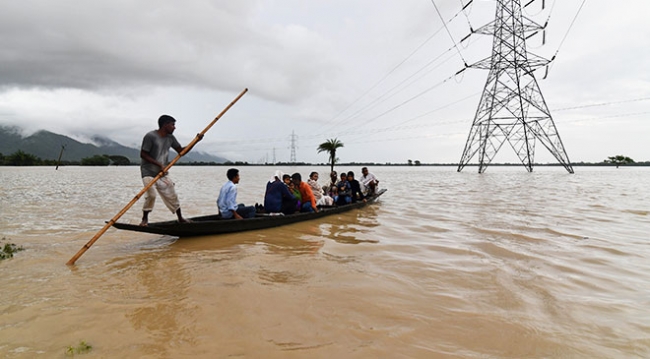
[155,157]
[369,182]
[227,201]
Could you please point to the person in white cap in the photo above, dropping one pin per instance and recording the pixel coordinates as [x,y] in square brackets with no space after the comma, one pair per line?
[277,198]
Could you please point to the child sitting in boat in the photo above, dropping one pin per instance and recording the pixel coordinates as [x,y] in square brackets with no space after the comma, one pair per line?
[334,194]
[355,189]
[296,195]
[343,188]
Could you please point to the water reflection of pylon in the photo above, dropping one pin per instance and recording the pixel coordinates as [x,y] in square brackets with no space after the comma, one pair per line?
[512,107]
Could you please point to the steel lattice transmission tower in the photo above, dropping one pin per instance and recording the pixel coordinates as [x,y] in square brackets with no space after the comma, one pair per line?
[294,137]
[512,107]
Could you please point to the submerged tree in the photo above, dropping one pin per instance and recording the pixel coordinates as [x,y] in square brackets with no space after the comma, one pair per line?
[20,158]
[619,160]
[117,160]
[330,147]
[96,160]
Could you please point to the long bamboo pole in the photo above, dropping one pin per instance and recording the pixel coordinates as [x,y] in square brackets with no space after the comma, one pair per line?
[185,150]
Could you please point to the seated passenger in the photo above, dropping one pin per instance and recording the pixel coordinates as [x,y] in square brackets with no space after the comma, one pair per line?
[227,201]
[343,188]
[277,198]
[308,200]
[334,193]
[369,182]
[321,198]
[332,184]
[286,179]
[355,188]
[296,195]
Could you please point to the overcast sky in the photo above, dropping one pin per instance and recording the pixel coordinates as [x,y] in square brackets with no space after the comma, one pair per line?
[377,75]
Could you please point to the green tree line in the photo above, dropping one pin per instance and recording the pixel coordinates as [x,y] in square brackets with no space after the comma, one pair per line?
[21,158]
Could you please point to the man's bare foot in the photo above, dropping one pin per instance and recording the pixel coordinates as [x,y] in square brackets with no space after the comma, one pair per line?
[145,218]
[184,220]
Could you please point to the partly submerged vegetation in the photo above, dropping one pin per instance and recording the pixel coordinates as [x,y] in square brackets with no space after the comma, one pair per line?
[619,160]
[8,249]
[82,348]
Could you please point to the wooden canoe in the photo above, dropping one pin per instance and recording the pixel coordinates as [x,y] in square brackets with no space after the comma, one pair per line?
[214,224]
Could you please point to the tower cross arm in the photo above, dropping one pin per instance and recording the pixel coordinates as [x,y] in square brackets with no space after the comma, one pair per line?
[537,61]
[529,26]
[484,64]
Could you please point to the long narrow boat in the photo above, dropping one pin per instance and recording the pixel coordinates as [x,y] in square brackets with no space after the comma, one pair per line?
[214,224]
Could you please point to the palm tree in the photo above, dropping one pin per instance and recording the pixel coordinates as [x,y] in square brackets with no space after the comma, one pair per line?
[330,146]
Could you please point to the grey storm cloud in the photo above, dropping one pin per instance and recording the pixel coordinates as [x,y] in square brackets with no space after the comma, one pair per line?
[100,44]
[377,75]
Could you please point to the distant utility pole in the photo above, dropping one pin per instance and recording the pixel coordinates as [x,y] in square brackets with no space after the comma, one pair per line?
[60,155]
[294,138]
[273,155]
[512,107]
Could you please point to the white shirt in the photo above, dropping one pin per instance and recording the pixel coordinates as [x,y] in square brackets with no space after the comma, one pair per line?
[366,180]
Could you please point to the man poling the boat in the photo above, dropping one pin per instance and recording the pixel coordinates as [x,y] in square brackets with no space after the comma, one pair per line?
[164,170]
[155,157]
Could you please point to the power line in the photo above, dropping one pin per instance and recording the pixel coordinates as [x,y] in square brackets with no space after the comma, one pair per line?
[464,13]
[412,98]
[400,126]
[603,104]
[632,114]
[367,133]
[567,32]
[448,32]
[337,123]
[384,77]
[570,26]
[403,103]
[386,95]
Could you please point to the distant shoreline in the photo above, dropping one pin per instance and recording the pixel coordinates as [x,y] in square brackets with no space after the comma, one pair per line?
[352,164]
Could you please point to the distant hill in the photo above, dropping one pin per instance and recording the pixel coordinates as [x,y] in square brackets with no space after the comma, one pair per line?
[47,146]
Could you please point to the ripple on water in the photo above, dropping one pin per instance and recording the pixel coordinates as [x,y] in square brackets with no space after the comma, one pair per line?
[506,264]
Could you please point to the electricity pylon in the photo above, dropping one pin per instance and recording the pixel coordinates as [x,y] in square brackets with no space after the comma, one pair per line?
[512,107]
[292,160]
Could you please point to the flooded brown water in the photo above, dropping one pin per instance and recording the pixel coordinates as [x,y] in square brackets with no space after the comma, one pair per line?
[507,264]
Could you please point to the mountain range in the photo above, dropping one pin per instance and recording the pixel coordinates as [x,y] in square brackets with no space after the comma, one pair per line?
[47,145]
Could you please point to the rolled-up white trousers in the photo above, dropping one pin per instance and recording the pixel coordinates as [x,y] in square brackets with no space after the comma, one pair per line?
[165,187]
